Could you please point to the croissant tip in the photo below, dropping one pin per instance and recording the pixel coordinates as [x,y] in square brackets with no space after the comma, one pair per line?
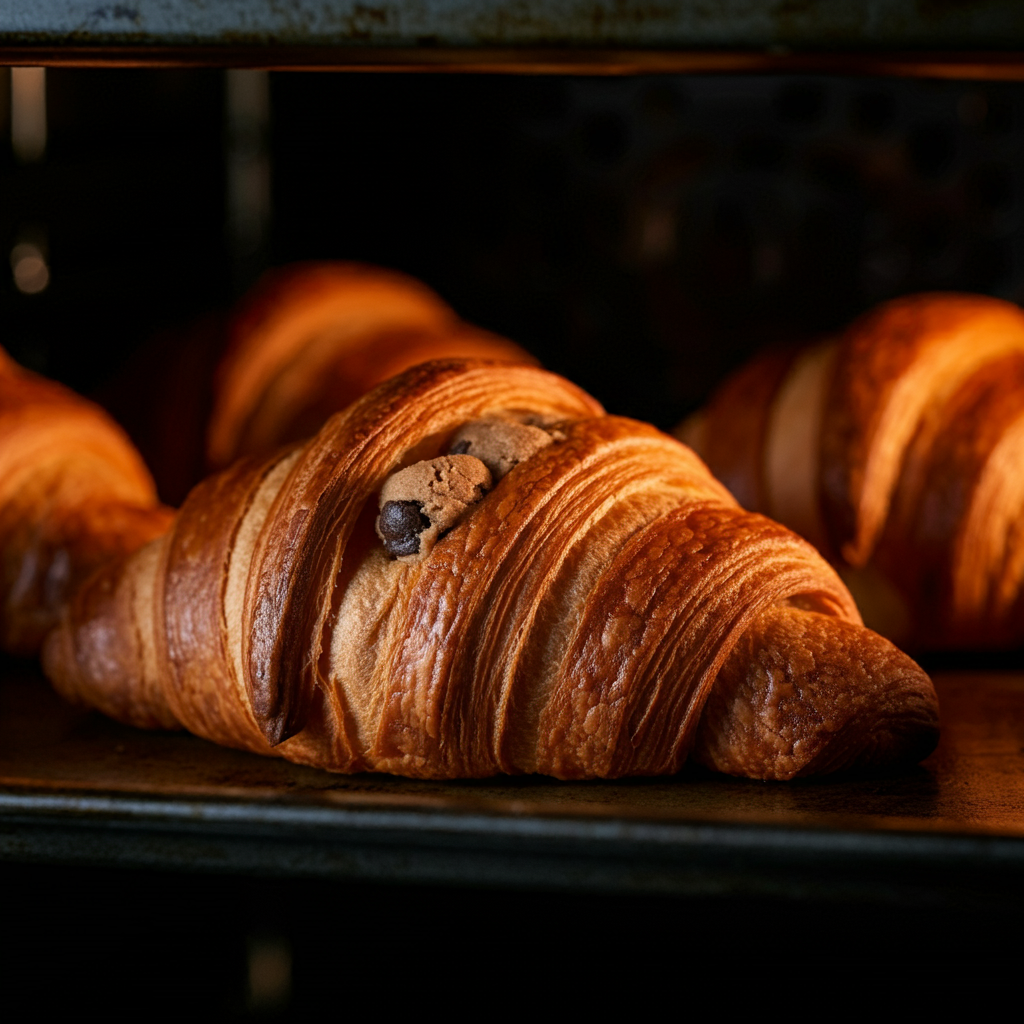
[888,753]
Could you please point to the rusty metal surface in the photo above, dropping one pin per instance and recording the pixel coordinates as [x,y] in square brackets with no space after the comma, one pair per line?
[642,23]
[987,65]
[76,788]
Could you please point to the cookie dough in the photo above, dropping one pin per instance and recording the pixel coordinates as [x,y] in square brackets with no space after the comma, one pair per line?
[500,444]
[419,503]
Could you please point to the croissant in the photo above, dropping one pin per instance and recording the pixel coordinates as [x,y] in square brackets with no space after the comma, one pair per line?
[897,449]
[73,494]
[473,570]
[311,338]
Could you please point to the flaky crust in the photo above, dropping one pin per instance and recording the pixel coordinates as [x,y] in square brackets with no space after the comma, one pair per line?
[895,364]
[797,667]
[914,436]
[313,337]
[573,623]
[73,494]
[739,413]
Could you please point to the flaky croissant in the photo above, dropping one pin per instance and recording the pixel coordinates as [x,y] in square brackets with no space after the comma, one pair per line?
[73,494]
[898,449]
[472,570]
[311,338]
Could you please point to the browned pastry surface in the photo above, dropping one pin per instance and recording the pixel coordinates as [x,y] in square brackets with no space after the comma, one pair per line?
[73,493]
[739,411]
[898,450]
[573,622]
[311,338]
[894,364]
[794,666]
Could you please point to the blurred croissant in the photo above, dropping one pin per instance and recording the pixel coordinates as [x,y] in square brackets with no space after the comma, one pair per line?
[311,338]
[73,494]
[897,449]
[473,570]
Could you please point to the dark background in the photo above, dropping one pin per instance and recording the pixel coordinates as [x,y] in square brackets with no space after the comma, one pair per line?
[640,235]
[175,946]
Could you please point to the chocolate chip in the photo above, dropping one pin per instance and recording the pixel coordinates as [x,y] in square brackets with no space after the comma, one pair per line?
[400,524]
[459,448]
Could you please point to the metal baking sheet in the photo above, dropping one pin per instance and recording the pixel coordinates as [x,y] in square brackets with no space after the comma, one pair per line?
[76,788]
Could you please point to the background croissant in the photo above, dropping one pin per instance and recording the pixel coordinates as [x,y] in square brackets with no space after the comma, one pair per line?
[311,338]
[306,341]
[73,493]
[898,449]
[604,608]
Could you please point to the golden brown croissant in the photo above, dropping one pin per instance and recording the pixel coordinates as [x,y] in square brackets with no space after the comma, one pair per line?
[311,338]
[473,570]
[898,449]
[73,494]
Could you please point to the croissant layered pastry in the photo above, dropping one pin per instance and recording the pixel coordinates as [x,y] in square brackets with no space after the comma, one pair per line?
[310,338]
[473,570]
[73,494]
[897,449]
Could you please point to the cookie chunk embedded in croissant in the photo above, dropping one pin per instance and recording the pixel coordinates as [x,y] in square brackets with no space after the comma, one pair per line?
[422,501]
[313,337]
[73,494]
[898,449]
[579,618]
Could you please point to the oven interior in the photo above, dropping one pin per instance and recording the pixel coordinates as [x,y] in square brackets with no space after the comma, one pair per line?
[640,234]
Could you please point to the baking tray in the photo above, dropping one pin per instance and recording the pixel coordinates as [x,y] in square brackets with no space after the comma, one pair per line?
[78,789]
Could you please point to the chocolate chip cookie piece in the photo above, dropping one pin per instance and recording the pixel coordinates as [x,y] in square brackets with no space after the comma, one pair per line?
[500,443]
[421,502]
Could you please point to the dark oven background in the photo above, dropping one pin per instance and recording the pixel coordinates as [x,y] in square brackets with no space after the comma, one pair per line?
[640,235]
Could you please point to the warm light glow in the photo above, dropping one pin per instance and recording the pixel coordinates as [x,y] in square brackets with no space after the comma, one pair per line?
[28,263]
[28,113]
[270,973]
[247,94]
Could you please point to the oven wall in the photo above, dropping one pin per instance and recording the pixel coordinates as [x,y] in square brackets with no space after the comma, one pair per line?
[641,235]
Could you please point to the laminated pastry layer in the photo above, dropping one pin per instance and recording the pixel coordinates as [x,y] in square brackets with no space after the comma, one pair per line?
[74,493]
[312,338]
